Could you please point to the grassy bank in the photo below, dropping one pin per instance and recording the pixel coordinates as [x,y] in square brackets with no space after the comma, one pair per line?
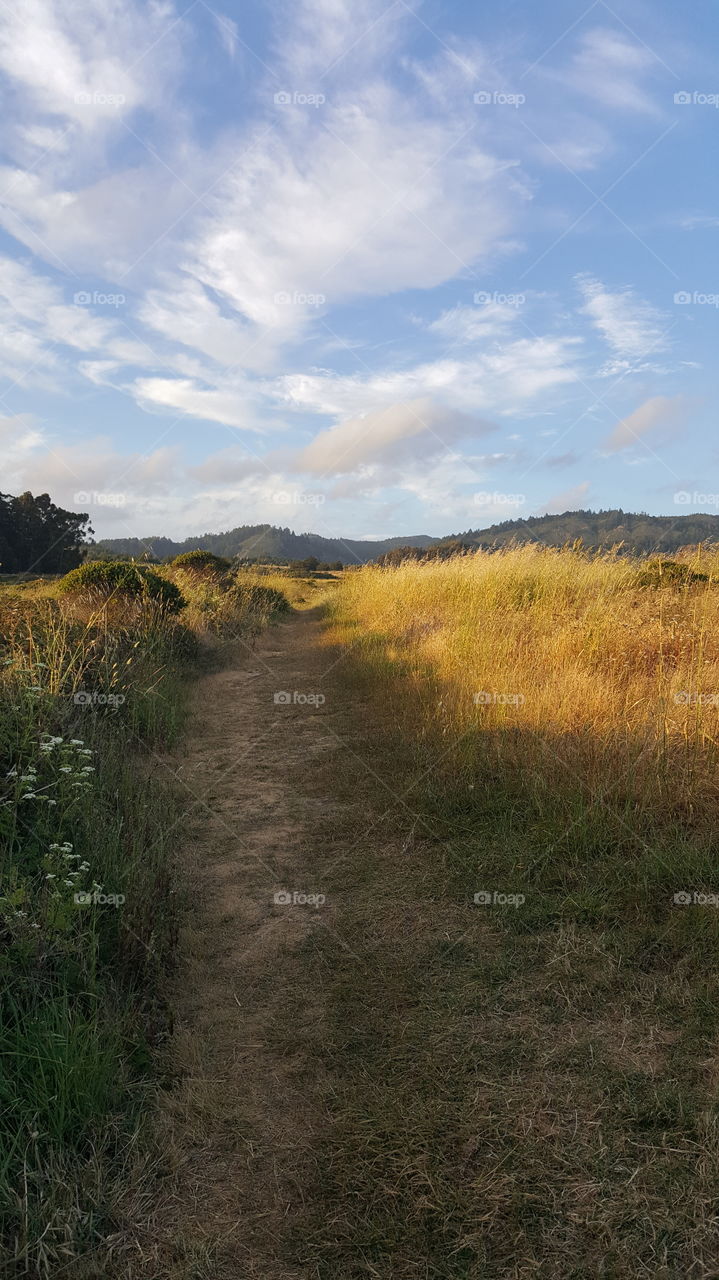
[523,1014]
[91,691]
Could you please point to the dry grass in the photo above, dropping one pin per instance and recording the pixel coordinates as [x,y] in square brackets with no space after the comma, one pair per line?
[556,667]
[522,1091]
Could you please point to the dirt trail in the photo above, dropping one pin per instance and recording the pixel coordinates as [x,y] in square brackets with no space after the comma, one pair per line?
[243,1121]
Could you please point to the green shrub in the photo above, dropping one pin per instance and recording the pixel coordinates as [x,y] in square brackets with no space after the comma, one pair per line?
[118,577]
[201,562]
[667,573]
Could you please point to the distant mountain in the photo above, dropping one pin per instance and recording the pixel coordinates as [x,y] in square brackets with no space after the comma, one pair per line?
[639,533]
[265,541]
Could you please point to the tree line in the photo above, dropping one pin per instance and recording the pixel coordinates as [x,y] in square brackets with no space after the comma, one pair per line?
[37,536]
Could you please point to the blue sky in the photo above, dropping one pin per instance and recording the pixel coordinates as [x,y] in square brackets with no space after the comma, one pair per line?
[361,269]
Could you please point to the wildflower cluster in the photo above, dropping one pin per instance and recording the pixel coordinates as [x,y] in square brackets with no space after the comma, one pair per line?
[68,869]
[69,759]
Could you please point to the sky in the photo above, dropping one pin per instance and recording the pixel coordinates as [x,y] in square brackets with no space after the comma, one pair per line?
[362,269]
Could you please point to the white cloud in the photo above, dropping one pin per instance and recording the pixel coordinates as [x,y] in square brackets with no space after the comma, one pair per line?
[186,314]
[500,380]
[698,222]
[228,33]
[318,36]
[465,325]
[367,183]
[19,437]
[609,67]
[211,404]
[36,322]
[59,55]
[629,325]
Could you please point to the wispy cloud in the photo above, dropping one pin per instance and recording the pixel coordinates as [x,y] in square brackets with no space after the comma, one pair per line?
[630,326]
[660,413]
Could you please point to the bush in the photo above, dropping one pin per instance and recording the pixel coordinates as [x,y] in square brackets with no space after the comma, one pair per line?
[667,573]
[117,577]
[201,562]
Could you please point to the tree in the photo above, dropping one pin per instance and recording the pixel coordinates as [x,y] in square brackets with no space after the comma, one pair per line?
[37,535]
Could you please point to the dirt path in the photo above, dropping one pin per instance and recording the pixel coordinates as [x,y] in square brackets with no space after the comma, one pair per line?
[242,1124]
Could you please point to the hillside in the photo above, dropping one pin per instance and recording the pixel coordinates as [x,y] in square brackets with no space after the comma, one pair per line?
[638,532]
[264,541]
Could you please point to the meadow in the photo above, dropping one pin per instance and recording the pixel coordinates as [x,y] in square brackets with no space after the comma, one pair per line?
[531,1068]
[93,681]
[504,1043]
[584,690]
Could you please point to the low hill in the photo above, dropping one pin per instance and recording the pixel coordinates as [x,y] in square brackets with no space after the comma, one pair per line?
[263,541]
[640,533]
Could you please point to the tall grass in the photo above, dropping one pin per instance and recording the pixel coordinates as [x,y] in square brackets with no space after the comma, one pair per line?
[89,689]
[522,989]
[554,686]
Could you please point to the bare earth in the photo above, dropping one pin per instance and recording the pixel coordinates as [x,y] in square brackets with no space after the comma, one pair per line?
[241,1123]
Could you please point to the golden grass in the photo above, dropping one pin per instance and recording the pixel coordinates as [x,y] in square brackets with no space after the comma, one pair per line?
[522,1091]
[556,662]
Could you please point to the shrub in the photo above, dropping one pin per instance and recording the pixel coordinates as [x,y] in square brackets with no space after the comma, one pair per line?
[667,573]
[201,562]
[118,577]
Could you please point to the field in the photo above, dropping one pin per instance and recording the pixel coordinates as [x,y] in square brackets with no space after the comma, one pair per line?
[490,1049]
[539,914]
